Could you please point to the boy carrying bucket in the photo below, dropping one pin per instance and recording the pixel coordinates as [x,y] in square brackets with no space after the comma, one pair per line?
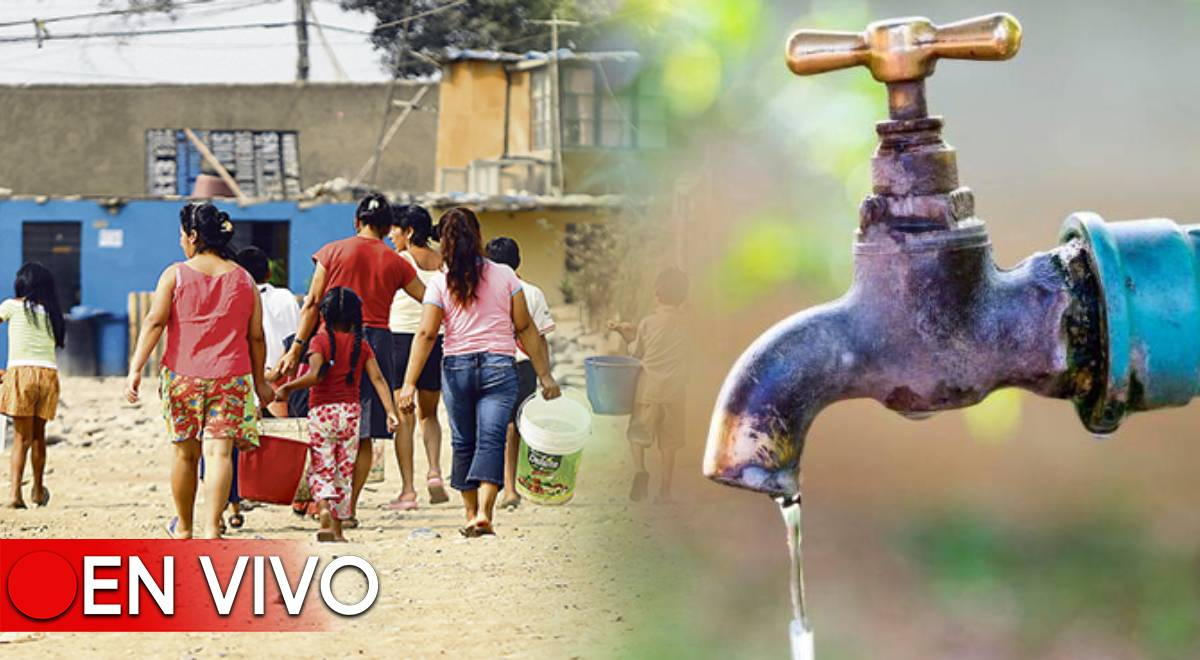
[659,341]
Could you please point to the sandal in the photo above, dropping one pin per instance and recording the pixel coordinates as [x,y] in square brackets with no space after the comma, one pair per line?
[511,503]
[406,502]
[350,523]
[325,537]
[437,490]
[170,528]
[237,520]
[45,498]
[299,508]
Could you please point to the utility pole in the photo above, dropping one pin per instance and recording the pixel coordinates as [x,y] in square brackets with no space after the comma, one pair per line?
[302,40]
[555,99]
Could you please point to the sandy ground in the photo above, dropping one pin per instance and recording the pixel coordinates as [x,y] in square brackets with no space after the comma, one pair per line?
[546,586]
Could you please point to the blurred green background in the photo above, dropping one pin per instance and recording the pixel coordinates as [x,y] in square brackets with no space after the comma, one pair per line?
[1002,531]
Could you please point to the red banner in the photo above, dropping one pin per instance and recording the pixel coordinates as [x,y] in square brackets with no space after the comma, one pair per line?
[109,585]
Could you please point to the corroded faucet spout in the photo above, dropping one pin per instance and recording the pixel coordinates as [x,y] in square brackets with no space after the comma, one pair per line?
[930,324]
[775,391]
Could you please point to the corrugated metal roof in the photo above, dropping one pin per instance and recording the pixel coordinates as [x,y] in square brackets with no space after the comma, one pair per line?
[564,54]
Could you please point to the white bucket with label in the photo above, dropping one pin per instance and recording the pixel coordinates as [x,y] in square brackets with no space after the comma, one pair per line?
[553,434]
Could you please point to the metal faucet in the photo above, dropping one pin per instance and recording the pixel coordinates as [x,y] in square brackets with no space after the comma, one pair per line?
[1109,319]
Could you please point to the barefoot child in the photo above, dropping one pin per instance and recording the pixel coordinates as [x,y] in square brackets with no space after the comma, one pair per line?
[29,389]
[659,341]
[212,365]
[504,250]
[337,359]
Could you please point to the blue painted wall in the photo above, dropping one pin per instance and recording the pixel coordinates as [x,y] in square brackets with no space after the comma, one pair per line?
[151,243]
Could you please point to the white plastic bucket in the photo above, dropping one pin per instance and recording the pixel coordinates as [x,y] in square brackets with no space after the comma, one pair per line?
[553,434]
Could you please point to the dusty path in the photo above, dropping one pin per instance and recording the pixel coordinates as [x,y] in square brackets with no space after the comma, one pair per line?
[548,586]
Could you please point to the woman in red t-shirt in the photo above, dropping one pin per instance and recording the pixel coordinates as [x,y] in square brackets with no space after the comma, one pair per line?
[337,360]
[366,265]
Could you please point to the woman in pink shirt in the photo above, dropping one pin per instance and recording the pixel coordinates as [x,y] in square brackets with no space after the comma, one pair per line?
[212,365]
[482,307]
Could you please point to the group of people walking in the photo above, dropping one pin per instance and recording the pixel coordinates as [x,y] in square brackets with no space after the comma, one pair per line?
[381,335]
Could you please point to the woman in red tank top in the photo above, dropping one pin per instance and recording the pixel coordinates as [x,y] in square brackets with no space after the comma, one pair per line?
[212,365]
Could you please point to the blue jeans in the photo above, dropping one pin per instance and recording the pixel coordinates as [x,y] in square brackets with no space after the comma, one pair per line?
[480,390]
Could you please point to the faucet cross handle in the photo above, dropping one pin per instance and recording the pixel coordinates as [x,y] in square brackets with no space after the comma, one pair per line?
[904,49]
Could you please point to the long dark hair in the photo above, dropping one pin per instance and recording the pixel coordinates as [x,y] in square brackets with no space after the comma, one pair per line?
[341,306]
[212,227]
[462,250]
[35,284]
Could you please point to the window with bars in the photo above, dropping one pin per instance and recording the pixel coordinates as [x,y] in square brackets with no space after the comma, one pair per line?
[594,113]
[540,109]
[579,106]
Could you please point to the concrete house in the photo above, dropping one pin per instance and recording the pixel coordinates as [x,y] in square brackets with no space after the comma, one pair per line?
[100,202]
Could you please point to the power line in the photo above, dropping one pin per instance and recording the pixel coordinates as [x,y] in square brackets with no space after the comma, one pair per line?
[158,31]
[337,66]
[96,14]
[420,15]
[585,24]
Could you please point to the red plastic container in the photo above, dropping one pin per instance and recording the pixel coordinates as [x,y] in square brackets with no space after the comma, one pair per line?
[272,472]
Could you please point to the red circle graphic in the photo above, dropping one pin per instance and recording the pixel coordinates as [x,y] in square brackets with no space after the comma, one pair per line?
[41,585]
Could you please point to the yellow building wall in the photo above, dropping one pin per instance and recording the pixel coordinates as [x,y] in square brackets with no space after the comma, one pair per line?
[470,113]
[541,235]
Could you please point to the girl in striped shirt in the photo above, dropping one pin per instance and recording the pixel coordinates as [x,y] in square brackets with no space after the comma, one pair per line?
[29,390]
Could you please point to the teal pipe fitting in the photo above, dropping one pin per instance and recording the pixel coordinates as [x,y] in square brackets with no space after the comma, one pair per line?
[1148,278]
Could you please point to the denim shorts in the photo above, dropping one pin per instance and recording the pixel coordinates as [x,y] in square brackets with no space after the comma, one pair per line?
[480,390]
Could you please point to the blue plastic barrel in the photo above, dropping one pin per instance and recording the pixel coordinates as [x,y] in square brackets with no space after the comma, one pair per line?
[611,383]
[112,345]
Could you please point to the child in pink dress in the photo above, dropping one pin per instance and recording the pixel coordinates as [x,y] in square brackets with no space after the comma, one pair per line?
[337,358]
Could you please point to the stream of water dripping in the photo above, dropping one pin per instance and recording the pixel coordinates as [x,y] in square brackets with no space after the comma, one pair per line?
[799,630]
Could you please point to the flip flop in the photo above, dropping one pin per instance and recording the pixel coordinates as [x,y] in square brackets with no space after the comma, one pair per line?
[299,508]
[237,520]
[511,504]
[401,504]
[45,498]
[325,537]
[350,523]
[437,490]
[170,528]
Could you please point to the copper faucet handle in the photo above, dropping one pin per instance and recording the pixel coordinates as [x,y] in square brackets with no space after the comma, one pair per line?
[904,49]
